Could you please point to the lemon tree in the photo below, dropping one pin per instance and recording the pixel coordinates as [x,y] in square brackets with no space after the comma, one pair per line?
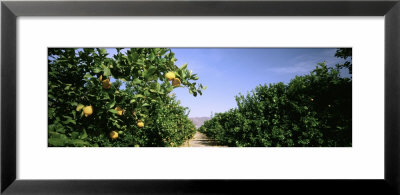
[312,110]
[122,100]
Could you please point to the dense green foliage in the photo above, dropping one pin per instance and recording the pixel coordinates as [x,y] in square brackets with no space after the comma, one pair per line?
[311,110]
[123,90]
[345,53]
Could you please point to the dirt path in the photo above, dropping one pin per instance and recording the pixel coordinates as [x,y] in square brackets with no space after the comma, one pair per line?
[200,140]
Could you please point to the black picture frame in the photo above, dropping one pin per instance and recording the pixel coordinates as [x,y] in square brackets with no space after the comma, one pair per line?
[10,10]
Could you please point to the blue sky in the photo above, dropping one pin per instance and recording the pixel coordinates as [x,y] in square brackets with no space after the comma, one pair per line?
[229,71]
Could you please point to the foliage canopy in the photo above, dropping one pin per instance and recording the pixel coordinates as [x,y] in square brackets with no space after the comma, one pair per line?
[131,100]
[311,110]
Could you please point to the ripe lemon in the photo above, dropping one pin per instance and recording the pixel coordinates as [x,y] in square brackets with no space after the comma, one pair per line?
[176,82]
[88,110]
[140,124]
[106,84]
[170,75]
[113,135]
[119,110]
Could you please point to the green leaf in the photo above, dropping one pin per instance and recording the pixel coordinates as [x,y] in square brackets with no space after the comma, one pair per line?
[87,76]
[136,81]
[140,62]
[183,66]
[56,142]
[183,75]
[107,71]
[79,143]
[112,111]
[60,130]
[146,104]
[152,70]
[103,51]
[97,70]
[67,87]
[143,115]
[69,120]
[153,78]
[139,96]
[116,125]
[74,114]
[152,57]
[74,134]
[79,107]
[145,74]
[84,134]
[170,88]
[111,104]
[105,95]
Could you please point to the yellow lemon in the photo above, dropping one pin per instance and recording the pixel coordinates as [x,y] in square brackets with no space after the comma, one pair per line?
[106,84]
[176,82]
[119,110]
[113,135]
[79,107]
[88,110]
[170,75]
[140,124]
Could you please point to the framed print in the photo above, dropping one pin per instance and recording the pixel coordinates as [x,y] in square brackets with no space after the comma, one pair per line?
[98,97]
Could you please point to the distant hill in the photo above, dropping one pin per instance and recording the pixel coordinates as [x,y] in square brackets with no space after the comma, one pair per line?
[198,121]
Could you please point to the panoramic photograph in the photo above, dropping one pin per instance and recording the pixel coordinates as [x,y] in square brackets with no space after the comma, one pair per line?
[199,97]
